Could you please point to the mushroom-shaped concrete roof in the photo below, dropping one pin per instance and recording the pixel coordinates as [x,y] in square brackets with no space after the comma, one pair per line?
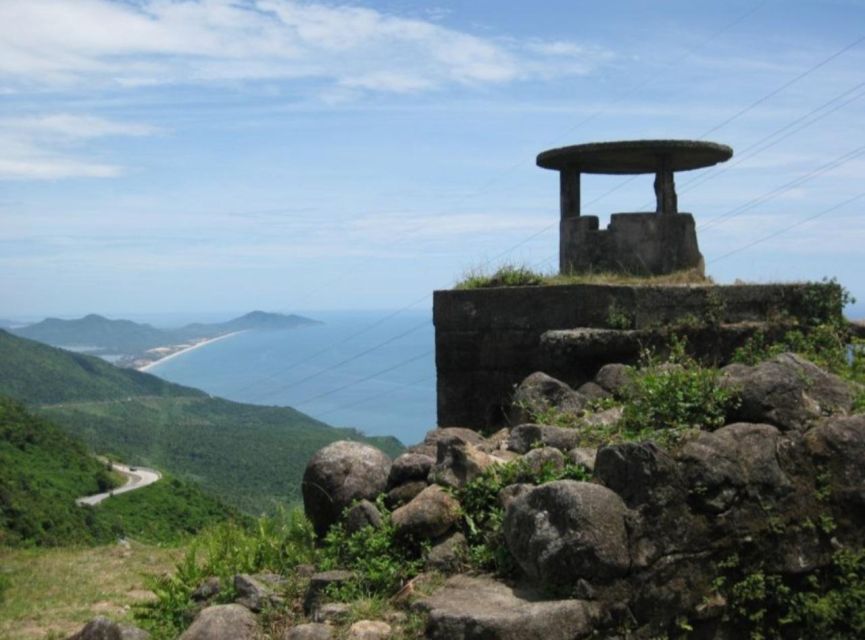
[635,156]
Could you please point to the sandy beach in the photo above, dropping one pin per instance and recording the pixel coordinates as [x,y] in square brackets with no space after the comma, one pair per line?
[184,349]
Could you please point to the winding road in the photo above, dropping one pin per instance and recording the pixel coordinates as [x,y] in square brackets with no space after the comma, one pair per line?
[136,478]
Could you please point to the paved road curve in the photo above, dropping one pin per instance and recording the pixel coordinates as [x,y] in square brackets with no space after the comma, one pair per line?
[136,478]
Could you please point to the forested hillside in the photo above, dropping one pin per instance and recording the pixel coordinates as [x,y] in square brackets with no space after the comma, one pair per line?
[250,456]
[43,471]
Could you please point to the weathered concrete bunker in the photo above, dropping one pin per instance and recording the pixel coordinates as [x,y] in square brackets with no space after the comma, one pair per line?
[635,243]
[489,339]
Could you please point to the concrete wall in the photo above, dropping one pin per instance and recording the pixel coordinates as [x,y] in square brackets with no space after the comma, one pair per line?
[488,340]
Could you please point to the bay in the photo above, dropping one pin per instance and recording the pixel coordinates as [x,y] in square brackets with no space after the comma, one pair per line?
[374,371]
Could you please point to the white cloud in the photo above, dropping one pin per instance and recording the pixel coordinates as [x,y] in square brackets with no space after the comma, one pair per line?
[43,147]
[70,42]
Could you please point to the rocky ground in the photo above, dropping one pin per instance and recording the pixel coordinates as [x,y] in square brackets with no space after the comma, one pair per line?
[746,525]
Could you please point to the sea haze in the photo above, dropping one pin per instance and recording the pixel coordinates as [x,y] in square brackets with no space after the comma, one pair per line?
[305,368]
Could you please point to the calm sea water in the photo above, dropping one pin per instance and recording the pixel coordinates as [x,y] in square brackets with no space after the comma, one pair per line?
[346,372]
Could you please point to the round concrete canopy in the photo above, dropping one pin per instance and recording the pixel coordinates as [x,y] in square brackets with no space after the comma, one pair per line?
[635,156]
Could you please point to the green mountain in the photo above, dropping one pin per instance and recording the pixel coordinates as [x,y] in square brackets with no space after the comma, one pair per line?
[43,470]
[96,333]
[251,456]
[99,335]
[255,320]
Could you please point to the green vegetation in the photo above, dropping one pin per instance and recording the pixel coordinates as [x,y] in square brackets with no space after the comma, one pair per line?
[828,603]
[277,543]
[251,456]
[824,338]
[511,275]
[42,472]
[381,563]
[666,401]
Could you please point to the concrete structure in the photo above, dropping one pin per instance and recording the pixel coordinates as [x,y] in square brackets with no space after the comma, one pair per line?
[634,243]
[489,340]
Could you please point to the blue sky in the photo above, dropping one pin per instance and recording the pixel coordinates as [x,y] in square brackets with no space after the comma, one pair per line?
[209,155]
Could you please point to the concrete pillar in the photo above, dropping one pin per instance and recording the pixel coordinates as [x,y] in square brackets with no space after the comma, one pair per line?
[569,192]
[665,188]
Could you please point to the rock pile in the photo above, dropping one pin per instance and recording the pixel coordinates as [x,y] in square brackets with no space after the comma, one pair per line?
[641,544]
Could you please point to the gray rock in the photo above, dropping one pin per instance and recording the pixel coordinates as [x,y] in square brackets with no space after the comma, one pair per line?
[605,418]
[318,583]
[734,461]
[537,459]
[369,630]
[310,631]
[540,392]
[361,515]
[209,588]
[429,515]
[449,555]
[409,467]
[479,608]
[404,493]
[104,629]
[339,474]
[615,378]
[641,473]
[566,530]
[523,437]
[255,592]
[429,446]
[334,612]
[838,445]
[512,492]
[787,391]
[458,463]
[584,456]
[593,391]
[223,622]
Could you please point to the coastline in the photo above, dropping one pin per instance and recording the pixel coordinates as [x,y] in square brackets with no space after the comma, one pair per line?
[179,352]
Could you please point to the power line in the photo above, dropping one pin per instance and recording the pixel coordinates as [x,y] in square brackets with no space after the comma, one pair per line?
[366,378]
[737,211]
[789,228]
[790,83]
[341,363]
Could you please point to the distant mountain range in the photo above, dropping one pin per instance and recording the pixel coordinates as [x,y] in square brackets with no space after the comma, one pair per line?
[251,456]
[127,343]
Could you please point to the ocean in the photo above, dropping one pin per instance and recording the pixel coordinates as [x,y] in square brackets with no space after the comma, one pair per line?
[358,369]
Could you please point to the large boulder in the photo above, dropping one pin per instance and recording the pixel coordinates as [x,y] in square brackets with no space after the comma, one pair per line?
[614,378]
[479,608]
[539,393]
[566,530]
[409,467]
[458,462]
[429,446]
[429,515]
[339,474]
[105,629]
[734,462]
[641,473]
[787,391]
[525,436]
[223,622]
[838,447]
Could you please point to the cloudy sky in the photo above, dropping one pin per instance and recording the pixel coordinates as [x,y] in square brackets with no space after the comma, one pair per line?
[212,155]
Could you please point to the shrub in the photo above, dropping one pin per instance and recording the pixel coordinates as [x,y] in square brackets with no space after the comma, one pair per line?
[828,603]
[667,399]
[382,564]
[508,275]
